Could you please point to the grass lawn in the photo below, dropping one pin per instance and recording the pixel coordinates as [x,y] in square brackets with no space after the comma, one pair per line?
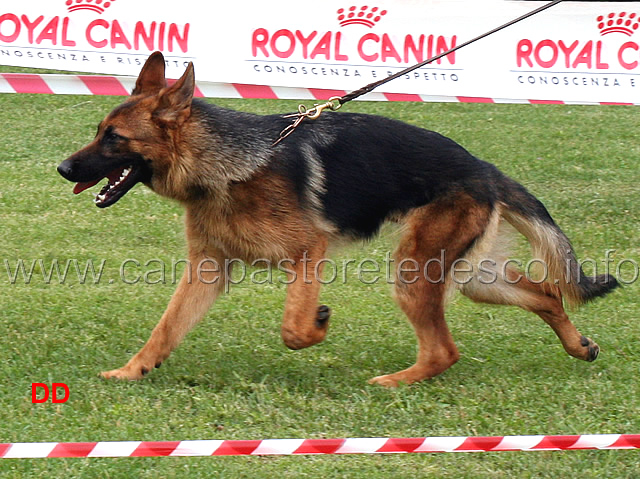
[232,378]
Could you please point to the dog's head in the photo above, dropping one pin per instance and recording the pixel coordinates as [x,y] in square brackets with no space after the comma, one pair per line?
[134,142]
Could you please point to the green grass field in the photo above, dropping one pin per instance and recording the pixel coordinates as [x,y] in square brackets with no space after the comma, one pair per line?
[232,378]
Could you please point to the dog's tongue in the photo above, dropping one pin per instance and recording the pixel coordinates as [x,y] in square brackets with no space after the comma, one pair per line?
[80,187]
[113,177]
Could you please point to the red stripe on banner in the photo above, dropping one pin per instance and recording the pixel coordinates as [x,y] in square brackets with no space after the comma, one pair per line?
[322,94]
[319,446]
[556,442]
[546,102]
[408,444]
[615,103]
[103,85]
[402,97]
[237,448]
[27,83]
[254,91]
[474,99]
[3,449]
[72,449]
[156,448]
[198,93]
[626,441]
[479,443]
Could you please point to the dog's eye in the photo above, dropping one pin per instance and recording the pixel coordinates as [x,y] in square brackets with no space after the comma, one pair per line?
[111,136]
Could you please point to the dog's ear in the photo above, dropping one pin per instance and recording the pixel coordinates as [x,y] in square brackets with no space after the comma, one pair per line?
[151,79]
[174,104]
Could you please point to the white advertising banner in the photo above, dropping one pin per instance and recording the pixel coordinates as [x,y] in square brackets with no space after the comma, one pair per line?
[585,52]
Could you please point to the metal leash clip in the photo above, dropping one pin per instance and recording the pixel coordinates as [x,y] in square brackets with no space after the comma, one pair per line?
[312,113]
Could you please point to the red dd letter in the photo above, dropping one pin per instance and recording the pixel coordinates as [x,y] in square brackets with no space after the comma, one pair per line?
[55,387]
[34,393]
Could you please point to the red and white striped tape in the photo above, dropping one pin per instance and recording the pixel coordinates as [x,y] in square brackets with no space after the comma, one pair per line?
[285,447]
[113,85]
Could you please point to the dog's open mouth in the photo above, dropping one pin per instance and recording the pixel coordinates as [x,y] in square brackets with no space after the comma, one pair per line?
[119,182]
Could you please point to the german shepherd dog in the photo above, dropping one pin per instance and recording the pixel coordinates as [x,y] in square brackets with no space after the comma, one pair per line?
[339,177]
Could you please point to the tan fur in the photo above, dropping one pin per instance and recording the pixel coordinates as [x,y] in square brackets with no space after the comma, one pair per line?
[194,296]
[544,241]
[449,225]
[260,220]
[300,328]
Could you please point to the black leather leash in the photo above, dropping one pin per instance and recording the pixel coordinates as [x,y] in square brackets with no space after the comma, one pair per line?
[336,102]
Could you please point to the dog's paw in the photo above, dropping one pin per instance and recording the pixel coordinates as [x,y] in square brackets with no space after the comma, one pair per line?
[387,381]
[592,349]
[125,374]
[413,374]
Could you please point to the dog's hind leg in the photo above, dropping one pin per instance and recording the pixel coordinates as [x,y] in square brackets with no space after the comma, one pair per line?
[305,323]
[203,280]
[541,298]
[424,306]
[435,237]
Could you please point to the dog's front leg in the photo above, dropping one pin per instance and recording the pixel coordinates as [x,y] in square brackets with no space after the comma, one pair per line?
[199,287]
[305,323]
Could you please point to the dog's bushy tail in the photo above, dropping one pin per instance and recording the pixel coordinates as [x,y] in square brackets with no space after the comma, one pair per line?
[550,245]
